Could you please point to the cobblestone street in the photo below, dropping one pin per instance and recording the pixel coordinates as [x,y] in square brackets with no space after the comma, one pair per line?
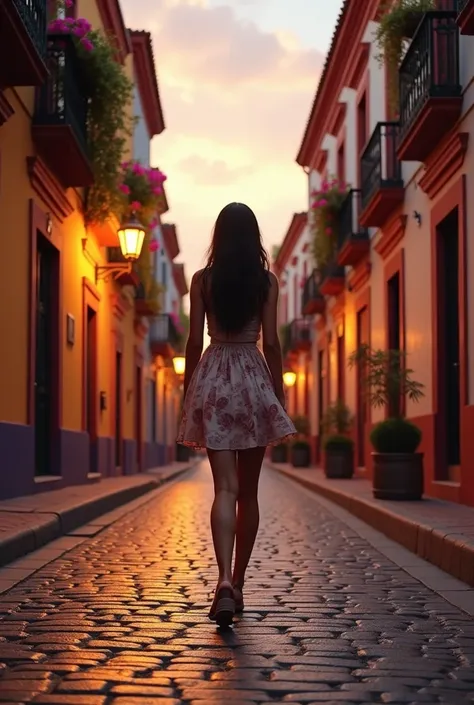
[122,618]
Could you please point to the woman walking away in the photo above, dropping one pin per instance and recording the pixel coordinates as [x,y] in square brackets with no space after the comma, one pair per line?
[234,403]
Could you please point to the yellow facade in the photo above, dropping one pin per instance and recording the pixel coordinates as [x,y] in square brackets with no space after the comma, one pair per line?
[27,199]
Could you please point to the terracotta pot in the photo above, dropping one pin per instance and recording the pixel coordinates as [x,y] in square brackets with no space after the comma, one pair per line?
[398,476]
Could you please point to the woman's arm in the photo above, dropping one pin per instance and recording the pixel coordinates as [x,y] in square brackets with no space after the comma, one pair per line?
[196,329]
[271,342]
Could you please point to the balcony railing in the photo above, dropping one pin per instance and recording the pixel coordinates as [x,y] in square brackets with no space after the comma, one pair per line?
[429,81]
[353,238]
[34,16]
[60,120]
[22,42]
[297,336]
[164,338]
[312,301]
[381,175]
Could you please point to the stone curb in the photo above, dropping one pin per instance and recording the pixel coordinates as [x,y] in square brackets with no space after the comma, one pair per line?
[448,552]
[53,525]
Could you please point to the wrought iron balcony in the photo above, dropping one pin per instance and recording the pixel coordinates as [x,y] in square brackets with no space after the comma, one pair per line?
[333,279]
[297,336]
[430,90]
[60,120]
[23,42]
[381,176]
[465,17]
[353,239]
[164,338]
[312,301]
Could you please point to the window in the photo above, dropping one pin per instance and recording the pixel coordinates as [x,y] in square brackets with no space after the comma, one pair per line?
[362,123]
[341,163]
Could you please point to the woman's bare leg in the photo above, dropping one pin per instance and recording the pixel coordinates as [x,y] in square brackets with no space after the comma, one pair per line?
[249,465]
[223,513]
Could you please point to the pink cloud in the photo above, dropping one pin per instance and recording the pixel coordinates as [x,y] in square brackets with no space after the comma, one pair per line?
[208,172]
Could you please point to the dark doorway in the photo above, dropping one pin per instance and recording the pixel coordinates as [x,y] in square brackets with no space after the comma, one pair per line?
[341,367]
[393,315]
[362,408]
[448,343]
[118,409]
[47,301]
[138,416]
[321,377]
[90,385]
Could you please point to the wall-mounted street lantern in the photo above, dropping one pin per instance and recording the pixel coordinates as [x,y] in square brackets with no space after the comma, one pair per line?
[179,364]
[131,235]
[289,378]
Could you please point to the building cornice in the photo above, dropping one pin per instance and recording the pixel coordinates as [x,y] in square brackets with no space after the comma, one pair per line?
[145,72]
[48,188]
[292,236]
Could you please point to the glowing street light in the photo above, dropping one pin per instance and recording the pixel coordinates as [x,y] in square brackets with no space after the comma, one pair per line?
[289,378]
[179,364]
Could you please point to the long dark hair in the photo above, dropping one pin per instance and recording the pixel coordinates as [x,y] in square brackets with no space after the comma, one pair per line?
[237,270]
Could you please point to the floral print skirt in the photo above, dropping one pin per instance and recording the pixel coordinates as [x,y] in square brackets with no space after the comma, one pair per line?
[230,402]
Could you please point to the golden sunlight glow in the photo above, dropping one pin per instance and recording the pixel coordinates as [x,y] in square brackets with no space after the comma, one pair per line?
[289,378]
[131,235]
[179,364]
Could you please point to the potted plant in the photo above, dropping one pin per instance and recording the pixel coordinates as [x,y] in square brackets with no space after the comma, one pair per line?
[338,446]
[398,467]
[279,453]
[397,22]
[325,208]
[300,453]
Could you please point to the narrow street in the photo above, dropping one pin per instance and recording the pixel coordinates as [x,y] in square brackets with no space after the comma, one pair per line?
[122,618]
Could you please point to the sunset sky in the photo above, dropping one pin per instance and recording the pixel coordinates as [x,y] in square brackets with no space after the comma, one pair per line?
[236,78]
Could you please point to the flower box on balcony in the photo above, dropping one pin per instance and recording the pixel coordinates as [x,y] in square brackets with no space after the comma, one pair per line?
[333,280]
[465,17]
[23,42]
[312,301]
[353,238]
[430,89]
[381,176]
[60,119]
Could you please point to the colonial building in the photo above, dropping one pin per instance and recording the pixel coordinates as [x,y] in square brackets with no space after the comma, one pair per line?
[74,338]
[398,140]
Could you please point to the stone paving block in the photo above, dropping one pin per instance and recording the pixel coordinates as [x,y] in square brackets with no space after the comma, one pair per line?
[120,616]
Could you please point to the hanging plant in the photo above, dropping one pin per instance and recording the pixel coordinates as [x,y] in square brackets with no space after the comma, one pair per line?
[109,121]
[150,290]
[397,23]
[327,202]
[141,190]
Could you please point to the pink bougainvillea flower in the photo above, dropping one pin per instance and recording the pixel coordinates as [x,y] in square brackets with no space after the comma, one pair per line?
[154,223]
[138,169]
[157,190]
[135,205]
[84,24]
[68,3]
[328,231]
[124,165]
[154,245]
[324,186]
[124,189]
[87,44]
[323,202]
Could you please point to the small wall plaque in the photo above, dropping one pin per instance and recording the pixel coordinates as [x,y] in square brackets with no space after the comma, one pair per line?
[70,329]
